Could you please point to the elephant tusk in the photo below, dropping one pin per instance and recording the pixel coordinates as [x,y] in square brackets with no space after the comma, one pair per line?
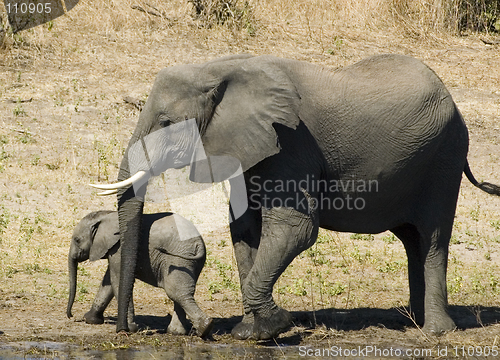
[139,175]
[107,192]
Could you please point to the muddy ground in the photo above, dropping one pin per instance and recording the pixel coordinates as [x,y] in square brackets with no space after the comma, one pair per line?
[64,124]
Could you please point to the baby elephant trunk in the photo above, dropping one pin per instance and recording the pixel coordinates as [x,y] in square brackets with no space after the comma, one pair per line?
[72,267]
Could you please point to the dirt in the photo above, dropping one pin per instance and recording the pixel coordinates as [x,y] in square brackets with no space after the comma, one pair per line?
[64,124]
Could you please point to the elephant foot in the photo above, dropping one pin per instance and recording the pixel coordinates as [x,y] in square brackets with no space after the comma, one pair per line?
[270,327]
[439,325]
[176,330]
[176,326]
[204,326]
[133,327]
[242,331]
[94,317]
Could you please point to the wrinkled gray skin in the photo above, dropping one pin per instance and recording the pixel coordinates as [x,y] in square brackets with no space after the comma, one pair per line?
[387,118]
[163,261]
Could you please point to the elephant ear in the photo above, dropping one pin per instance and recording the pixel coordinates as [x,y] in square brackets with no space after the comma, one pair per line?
[250,95]
[106,233]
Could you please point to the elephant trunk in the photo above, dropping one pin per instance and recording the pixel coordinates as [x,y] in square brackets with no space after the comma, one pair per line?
[72,267]
[130,208]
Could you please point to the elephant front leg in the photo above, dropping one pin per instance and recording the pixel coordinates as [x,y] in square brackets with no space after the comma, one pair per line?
[245,234]
[285,233]
[115,282]
[101,301]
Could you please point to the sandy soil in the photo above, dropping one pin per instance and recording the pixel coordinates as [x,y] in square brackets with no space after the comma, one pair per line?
[64,124]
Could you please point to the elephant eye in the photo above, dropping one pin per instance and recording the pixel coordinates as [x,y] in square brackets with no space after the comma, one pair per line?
[164,122]
[163,119]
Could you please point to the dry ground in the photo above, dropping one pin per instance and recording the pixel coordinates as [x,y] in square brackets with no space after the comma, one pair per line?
[63,124]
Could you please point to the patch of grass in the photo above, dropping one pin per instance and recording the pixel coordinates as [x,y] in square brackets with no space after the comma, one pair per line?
[495,224]
[35,160]
[4,219]
[26,137]
[107,155]
[82,271]
[225,274]
[390,238]
[391,266]
[19,110]
[365,237]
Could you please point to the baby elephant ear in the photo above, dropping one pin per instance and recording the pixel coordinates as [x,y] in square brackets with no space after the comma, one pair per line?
[106,235]
[250,96]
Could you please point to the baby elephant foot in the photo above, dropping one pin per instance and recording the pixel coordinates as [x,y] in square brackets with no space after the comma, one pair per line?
[176,329]
[266,328]
[94,317]
[204,326]
[176,326]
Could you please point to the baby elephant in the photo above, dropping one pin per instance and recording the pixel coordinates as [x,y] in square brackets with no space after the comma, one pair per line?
[171,256]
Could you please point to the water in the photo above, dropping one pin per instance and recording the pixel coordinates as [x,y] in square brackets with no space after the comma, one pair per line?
[54,350]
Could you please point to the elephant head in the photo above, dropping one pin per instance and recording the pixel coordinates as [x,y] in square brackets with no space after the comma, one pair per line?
[216,116]
[83,248]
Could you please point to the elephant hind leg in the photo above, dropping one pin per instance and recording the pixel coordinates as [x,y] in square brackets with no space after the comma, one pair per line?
[178,324]
[180,287]
[435,245]
[410,237]
[427,253]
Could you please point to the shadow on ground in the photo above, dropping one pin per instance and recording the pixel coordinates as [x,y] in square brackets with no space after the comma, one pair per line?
[466,317]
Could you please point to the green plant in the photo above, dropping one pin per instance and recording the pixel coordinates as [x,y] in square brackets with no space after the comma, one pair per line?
[32,268]
[10,271]
[391,266]
[455,285]
[35,160]
[336,289]
[19,110]
[4,219]
[104,157]
[495,224]
[455,239]
[225,281]
[366,237]
[389,238]
[474,213]
[82,271]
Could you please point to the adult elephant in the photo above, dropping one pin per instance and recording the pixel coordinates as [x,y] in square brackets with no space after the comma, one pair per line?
[379,145]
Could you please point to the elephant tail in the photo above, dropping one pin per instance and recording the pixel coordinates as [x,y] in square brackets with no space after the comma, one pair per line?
[485,186]
[194,251]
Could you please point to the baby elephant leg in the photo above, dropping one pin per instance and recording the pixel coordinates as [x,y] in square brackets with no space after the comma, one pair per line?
[178,325]
[180,288]
[101,301]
